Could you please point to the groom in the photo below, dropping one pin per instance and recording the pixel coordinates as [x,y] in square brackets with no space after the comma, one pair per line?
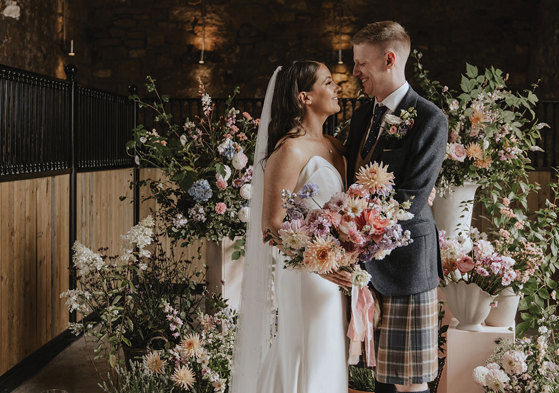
[405,281]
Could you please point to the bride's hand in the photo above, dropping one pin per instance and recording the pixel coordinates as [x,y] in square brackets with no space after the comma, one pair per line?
[340,277]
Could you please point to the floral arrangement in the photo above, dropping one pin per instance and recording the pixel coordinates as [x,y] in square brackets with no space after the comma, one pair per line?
[491,129]
[527,365]
[398,126]
[124,292]
[205,160]
[194,359]
[359,223]
[484,265]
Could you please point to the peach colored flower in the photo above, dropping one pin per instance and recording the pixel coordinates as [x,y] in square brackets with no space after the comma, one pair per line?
[183,377]
[376,178]
[247,116]
[474,151]
[322,256]
[191,344]
[393,130]
[483,163]
[477,117]
[153,363]
[221,184]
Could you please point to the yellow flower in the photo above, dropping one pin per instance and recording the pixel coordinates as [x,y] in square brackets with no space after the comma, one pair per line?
[376,178]
[322,256]
[183,377]
[191,344]
[153,363]
[474,151]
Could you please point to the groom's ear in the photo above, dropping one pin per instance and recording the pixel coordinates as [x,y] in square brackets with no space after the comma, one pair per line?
[390,59]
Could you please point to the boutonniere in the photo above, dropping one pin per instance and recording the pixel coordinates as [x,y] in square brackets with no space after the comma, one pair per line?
[398,126]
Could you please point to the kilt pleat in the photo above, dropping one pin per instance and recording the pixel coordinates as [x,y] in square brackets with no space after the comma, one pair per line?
[407,339]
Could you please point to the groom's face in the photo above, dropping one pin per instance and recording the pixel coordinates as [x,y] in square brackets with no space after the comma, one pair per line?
[370,67]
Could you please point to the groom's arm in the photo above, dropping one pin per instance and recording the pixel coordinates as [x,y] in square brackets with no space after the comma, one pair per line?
[426,155]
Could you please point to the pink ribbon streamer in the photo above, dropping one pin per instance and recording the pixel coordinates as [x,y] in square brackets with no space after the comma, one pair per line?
[361,325]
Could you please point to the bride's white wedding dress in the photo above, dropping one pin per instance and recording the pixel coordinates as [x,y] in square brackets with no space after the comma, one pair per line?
[308,354]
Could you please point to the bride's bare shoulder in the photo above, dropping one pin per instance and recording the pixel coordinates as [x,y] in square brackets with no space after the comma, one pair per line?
[290,152]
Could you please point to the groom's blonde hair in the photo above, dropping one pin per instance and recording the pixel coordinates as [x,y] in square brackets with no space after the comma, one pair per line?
[388,33]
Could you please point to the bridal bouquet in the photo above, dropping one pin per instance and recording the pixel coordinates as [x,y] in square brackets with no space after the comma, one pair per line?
[361,223]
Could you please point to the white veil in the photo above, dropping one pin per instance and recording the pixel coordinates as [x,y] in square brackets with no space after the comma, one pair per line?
[256,311]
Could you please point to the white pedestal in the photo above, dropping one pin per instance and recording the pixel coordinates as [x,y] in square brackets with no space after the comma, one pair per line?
[224,275]
[465,351]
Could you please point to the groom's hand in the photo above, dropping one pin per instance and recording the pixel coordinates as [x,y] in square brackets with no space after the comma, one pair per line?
[340,277]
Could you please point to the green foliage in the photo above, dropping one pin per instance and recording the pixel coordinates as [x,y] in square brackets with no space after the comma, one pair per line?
[136,379]
[361,378]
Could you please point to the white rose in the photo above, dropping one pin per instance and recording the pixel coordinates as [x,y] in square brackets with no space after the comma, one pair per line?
[392,120]
[404,215]
[246,191]
[244,214]
[183,139]
[479,375]
[485,144]
[360,278]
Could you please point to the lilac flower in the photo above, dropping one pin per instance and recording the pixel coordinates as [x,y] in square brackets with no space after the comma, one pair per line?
[294,214]
[308,191]
[320,226]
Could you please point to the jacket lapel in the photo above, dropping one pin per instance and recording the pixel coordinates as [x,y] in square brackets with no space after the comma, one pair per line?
[409,100]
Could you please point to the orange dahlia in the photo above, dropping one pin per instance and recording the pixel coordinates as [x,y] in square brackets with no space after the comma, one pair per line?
[376,178]
[322,256]
[474,151]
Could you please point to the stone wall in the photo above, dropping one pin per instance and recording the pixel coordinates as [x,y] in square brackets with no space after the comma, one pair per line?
[118,42]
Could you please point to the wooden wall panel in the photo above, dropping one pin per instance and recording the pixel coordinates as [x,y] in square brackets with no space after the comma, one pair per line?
[102,216]
[33,265]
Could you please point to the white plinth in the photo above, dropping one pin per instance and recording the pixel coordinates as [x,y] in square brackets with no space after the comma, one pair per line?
[224,275]
[465,351]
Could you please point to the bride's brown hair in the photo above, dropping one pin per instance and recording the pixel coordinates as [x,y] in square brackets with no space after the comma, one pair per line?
[287,111]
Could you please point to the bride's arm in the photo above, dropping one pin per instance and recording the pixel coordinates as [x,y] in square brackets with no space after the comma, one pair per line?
[281,172]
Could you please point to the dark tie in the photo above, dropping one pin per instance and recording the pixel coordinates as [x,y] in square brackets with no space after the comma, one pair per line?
[375,128]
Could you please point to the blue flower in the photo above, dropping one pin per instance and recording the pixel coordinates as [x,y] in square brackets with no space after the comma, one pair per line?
[227,149]
[200,191]
[308,191]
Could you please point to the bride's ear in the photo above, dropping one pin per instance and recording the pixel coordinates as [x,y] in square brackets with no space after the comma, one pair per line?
[304,98]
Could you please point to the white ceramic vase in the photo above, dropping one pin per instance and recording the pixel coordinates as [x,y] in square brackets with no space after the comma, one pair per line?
[453,213]
[224,275]
[504,314]
[469,304]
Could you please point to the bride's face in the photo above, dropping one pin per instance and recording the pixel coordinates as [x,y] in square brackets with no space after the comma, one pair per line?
[323,98]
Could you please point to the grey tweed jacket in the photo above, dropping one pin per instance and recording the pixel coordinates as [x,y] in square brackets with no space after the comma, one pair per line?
[415,161]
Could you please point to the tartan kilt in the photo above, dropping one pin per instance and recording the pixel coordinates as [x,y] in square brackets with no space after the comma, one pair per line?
[406,340]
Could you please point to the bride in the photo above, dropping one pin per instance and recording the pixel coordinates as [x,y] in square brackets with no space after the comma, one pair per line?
[305,351]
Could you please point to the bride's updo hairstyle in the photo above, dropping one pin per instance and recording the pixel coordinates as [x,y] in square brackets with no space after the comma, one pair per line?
[287,111]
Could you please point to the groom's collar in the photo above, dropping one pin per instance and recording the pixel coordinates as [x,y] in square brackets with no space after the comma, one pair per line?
[393,99]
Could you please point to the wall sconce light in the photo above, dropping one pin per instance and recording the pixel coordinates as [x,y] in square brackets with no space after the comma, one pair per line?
[340,61]
[64,45]
[201,61]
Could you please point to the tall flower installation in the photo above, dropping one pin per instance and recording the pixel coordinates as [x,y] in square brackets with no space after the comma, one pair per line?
[491,129]
[206,190]
[124,292]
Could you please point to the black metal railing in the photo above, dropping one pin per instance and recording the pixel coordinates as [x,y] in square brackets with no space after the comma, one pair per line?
[34,124]
[42,133]
[104,123]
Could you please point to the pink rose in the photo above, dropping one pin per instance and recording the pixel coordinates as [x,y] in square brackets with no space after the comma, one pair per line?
[393,130]
[234,128]
[465,264]
[247,116]
[220,207]
[221,184]
[457,152]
